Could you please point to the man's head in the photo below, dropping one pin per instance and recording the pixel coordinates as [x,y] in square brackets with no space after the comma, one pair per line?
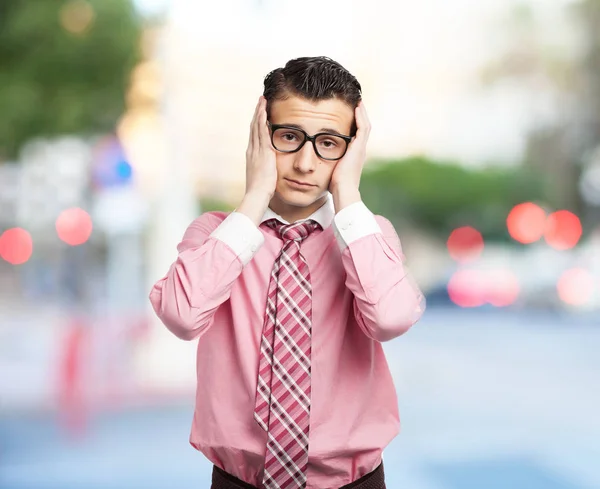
[315,95]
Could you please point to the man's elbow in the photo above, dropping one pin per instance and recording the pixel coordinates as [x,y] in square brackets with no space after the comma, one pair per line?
[388,330]
[183,331]
[183,325]
[391,326]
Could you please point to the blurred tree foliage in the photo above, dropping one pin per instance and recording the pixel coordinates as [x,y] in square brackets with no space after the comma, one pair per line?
[440,196]
[64,67]
[533,52]
[208,204]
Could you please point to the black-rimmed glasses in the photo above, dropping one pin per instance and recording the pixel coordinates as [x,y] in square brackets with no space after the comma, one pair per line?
[327,146]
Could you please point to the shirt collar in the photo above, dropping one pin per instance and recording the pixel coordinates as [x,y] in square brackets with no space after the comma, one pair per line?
[323,215]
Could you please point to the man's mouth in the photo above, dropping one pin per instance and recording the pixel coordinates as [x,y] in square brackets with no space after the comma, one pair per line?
[304,184]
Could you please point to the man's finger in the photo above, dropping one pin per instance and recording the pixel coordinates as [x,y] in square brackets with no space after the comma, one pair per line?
[263,131]
[363,126]
[365,117]
[360,124]
[253,134]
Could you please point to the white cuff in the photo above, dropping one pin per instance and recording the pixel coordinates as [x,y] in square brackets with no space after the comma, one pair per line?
[239,233]
[354,222]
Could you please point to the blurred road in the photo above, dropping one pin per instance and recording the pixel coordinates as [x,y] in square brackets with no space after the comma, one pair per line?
[488,400]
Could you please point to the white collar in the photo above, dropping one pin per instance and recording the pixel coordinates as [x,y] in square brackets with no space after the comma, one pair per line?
[323,215]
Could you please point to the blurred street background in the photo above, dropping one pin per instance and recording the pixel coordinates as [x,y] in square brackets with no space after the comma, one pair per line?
[122,120]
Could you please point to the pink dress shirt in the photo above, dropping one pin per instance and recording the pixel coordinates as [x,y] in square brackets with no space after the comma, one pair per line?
[362,295]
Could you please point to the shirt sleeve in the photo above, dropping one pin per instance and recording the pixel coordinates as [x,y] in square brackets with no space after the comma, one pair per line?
[354,222]
[210,258]
[241,235]
[387,299]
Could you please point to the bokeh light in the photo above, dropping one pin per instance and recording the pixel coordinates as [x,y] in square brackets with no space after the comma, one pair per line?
[465,244]
[474,288]
[123,170]
[575,286]
[77,16]
[74,226]
[502,287]
[563,230]
[16,246]
[111,167]
[526,222]
[465,288]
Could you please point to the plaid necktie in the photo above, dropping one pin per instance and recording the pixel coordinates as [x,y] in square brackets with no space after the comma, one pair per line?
[282,406]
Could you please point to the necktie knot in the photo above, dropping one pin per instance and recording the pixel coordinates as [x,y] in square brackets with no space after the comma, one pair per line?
[297,231]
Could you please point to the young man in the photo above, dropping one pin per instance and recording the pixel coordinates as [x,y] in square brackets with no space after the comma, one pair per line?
[291,296]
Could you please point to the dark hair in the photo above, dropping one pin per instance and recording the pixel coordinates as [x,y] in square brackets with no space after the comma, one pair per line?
[315,78]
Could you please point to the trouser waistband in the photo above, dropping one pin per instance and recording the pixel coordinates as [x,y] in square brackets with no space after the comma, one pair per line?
[372,480]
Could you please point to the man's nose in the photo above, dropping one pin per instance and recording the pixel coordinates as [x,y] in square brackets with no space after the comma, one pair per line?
[306,159]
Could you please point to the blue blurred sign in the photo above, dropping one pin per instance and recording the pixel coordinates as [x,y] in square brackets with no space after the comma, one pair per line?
[110,167]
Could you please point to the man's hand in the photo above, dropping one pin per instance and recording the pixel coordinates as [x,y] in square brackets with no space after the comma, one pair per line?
[261,168]
[345,179]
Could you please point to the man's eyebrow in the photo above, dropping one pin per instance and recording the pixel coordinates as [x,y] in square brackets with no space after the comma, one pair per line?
[332,131]
[323,129]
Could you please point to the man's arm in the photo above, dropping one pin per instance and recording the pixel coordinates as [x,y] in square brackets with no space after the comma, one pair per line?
[212,257]
[387,300]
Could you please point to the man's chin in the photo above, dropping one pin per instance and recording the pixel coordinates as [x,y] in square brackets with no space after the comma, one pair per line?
[298,199]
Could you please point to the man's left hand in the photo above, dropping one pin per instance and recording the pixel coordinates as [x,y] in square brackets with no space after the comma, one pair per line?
[345,179]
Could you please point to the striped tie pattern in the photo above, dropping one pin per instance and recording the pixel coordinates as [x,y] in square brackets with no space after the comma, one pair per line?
[282,405]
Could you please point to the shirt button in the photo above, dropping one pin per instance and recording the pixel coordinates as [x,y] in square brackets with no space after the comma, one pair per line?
[253,248]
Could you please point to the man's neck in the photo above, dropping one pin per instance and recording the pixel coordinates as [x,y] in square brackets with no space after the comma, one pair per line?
[292,213]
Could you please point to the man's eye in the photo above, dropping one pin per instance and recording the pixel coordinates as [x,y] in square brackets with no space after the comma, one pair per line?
[329,143]
[289,136]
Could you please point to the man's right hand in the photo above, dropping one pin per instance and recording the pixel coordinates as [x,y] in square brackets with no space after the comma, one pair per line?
[261,168]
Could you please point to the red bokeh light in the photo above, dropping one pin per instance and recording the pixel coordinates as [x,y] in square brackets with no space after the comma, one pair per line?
[465,244]
[16,246]
[526,222]
[502,287]
[465,288]
[474,288]
[74,226]
[575,286]
[563,230]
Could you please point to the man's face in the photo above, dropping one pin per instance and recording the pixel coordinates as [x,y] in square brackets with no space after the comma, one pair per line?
[305,166]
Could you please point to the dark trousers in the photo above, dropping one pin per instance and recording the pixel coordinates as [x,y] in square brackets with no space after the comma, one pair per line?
[372,480]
